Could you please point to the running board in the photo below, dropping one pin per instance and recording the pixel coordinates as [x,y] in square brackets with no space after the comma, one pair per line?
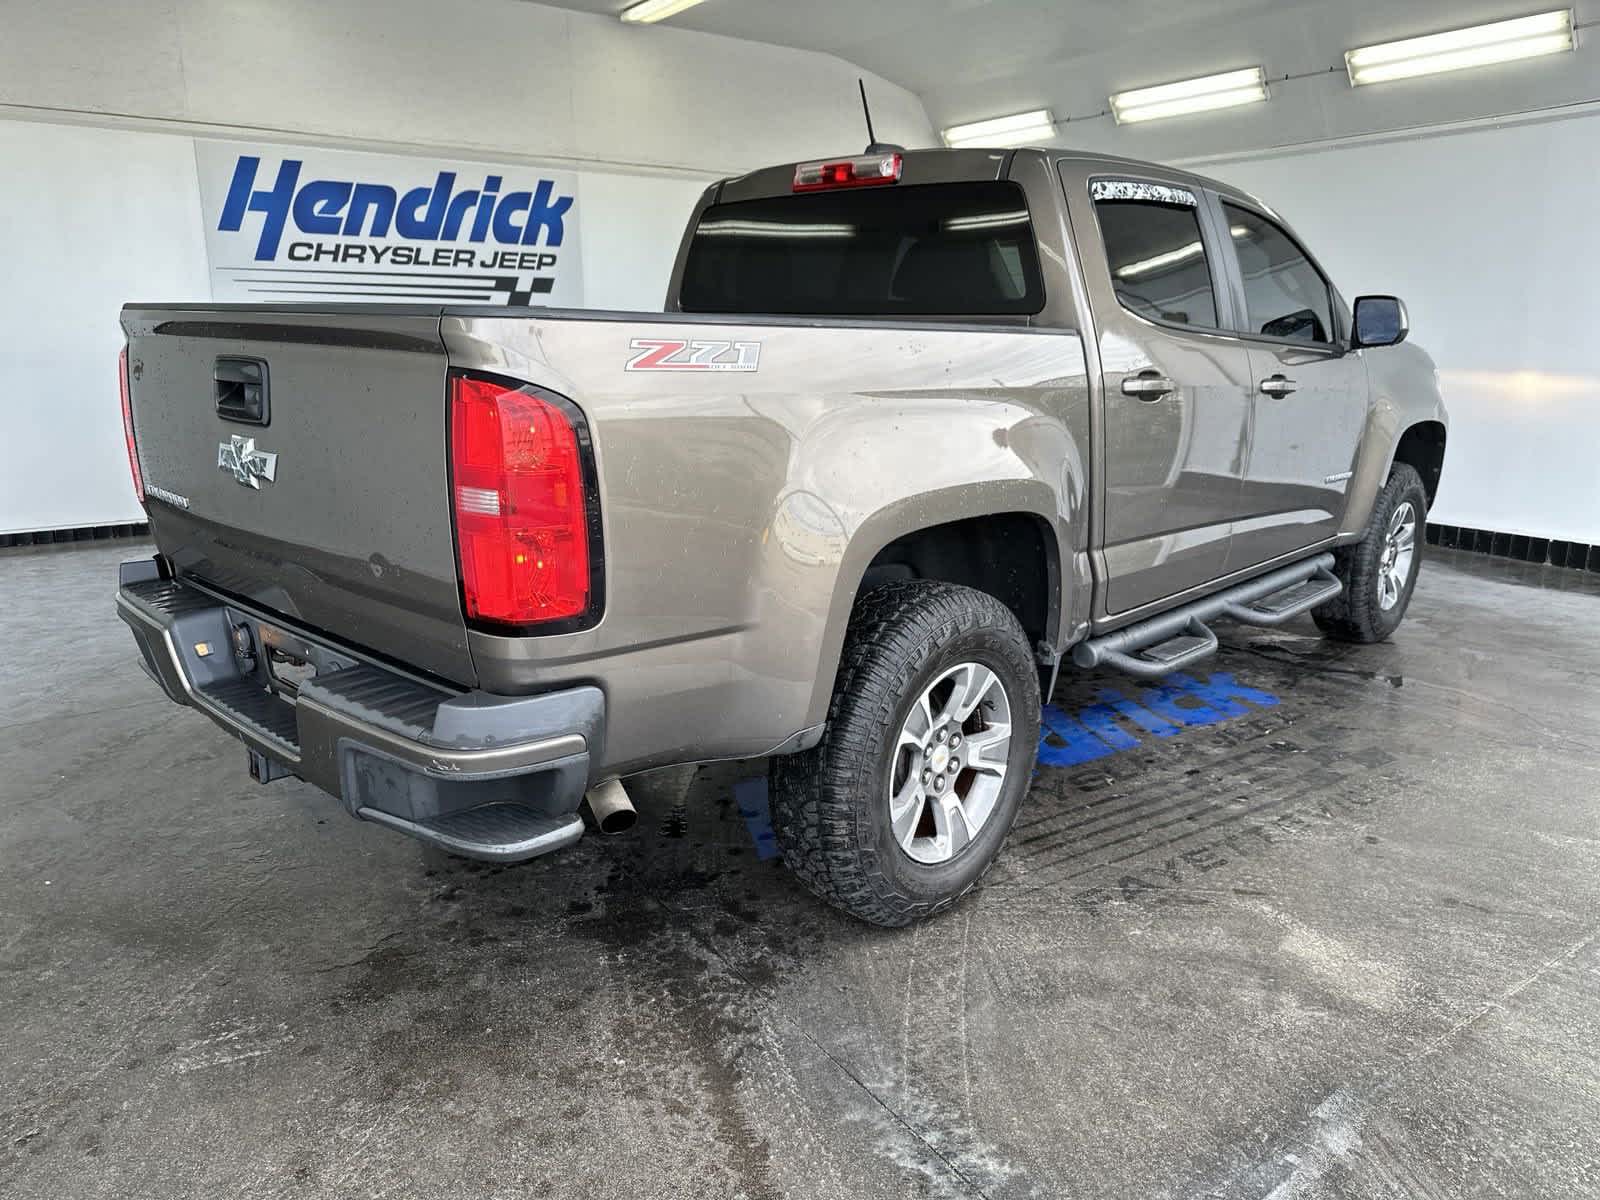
[1176,639]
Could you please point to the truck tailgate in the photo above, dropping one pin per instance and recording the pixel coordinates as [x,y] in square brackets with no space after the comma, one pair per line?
[351,535]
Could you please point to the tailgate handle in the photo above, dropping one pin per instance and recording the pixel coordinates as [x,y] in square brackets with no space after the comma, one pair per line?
[241,390]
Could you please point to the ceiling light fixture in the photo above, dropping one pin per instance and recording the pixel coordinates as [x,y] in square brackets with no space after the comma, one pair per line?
[1019,129]
[648,11]
[1477,46]
[1227,90]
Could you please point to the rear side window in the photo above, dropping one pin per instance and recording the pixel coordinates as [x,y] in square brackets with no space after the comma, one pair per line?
[1284,295]
[953,249]
[1158,262]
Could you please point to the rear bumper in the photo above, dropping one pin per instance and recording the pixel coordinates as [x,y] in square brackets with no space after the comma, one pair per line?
[490,777]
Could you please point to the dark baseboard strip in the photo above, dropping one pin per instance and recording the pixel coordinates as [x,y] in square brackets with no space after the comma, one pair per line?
[84,533]
[1578,555]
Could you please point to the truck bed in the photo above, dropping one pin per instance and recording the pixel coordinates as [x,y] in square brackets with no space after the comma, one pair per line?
[730,499]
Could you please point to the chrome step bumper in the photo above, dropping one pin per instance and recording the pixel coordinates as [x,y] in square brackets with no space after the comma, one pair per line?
[491,777]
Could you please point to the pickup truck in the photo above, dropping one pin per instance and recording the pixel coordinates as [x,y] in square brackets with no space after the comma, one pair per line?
[915,431]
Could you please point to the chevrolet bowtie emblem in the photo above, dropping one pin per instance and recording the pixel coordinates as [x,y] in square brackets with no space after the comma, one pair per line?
[249,465]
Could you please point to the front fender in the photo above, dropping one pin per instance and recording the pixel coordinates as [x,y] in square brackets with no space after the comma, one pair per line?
[1405,391]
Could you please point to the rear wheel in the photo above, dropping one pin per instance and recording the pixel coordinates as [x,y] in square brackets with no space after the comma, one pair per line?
[1380,571]
[928,751]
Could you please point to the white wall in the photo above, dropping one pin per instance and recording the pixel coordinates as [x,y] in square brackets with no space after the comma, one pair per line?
[90,215]
[1489,235]
[100,104]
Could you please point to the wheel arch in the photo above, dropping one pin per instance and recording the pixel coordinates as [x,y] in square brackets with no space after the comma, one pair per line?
[1421,446]
[1000,538]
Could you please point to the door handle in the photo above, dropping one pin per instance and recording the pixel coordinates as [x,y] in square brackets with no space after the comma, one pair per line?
[1278,386]
[1147,385]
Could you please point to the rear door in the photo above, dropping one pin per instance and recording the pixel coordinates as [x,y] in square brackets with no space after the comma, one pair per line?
[296,459]
[1176,385]
[1309,397]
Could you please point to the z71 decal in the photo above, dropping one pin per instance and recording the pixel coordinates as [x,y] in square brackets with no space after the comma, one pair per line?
[692,354]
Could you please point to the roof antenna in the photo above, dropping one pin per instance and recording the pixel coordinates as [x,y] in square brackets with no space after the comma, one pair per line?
[874,146]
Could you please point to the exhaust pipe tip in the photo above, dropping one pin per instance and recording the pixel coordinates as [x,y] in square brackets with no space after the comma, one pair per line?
[618,822]
[610,807]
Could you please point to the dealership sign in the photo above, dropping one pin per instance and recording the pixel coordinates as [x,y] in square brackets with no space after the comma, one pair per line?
[304,224]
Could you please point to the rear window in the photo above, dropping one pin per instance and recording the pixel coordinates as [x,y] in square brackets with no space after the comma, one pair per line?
[1158,260]
[950,249]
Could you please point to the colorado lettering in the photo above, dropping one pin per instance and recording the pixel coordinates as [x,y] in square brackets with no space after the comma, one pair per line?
[425,214]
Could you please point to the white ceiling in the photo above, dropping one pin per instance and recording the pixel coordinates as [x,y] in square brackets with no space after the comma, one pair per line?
[970,59]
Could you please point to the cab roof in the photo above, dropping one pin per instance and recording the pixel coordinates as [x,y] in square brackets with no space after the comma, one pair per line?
[940,165]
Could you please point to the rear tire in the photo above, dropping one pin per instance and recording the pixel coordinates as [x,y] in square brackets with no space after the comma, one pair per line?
[918,654]
[1379,572]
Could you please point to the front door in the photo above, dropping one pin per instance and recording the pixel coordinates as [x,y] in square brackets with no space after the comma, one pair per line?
[1309,397]
[1176,406]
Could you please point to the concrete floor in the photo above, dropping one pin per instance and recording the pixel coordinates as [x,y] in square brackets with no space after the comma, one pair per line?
[1343,944]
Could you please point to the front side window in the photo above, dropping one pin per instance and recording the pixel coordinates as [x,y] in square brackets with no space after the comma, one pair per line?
[1285,296]
[1157,257]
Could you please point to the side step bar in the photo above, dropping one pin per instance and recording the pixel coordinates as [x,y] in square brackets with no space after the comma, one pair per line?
[1178,638]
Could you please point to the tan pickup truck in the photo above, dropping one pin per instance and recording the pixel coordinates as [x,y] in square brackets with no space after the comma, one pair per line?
[916,431]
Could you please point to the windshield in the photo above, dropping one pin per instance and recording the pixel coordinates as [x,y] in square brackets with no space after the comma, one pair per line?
[952,249]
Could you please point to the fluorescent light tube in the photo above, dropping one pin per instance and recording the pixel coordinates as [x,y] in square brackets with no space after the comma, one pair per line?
[774,229]
[1477,46]
[1157,261]
[1000,220]
[656,10]
[1016,130]
[1227,90]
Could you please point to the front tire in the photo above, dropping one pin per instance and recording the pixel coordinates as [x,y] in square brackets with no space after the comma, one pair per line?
[928,751]
[1380,571]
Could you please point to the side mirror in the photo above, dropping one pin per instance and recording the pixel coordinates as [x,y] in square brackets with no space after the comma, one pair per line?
[1379,321]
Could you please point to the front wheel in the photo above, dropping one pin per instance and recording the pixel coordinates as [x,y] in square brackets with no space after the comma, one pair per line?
[1380,571]
[928,751]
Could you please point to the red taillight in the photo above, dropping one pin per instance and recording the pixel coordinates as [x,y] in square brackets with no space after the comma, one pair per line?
[522,517]
[127,425]
[848,172]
